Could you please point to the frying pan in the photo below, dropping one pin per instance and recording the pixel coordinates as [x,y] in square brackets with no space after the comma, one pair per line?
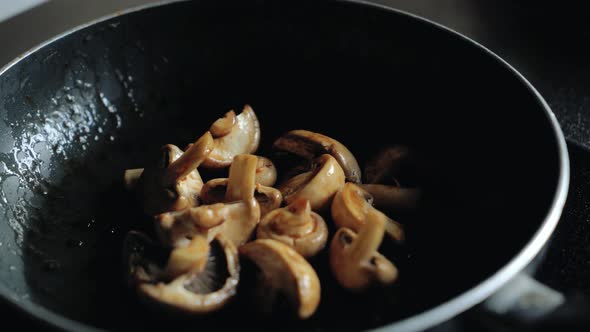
[79,109]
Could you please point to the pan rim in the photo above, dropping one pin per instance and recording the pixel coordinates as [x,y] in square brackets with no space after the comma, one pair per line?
[420,321]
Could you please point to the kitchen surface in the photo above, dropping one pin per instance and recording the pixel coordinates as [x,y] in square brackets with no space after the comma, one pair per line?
[546,41]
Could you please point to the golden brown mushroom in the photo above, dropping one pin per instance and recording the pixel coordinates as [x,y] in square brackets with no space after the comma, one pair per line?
[197,285]
[214,191]
[319,185]
[351,206]
[296,226]
[354,259]
[310,145]
[175,183]
[236,220]
[233,135]
[284,270]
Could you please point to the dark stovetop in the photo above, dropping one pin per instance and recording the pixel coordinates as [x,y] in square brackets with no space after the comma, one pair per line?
[547,41]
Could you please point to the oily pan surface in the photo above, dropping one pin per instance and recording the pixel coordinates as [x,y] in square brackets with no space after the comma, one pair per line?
[79,111]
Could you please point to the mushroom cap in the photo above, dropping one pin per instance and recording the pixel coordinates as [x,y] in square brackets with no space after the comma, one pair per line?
[309,145]
[242,135]
[296,226]
[389,164]
[175,183]
[266,172]
[283,269]
[198,292]
[355,262]
[318,185]
[350,209]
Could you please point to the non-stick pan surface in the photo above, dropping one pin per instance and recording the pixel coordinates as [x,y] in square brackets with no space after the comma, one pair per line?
[80,109]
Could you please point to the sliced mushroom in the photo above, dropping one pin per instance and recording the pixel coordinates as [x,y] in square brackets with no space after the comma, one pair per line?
[285,271]
[236,220]
[296,226]
[175,183]
[351,206]
[389,197]
[388,164]
[319,185]
[268,198]
[197,291]
[146,261]
[234,135]
[178,227]
[266,172]
[310,145]
[354,259]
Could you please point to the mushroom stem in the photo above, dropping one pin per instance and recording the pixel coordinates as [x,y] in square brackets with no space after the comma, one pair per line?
[370,236]
[242,178]
[189,160]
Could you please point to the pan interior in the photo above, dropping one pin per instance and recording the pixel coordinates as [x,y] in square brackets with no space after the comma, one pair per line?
[80,110]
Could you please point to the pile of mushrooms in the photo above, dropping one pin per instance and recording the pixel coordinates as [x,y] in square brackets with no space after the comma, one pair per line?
[202,229]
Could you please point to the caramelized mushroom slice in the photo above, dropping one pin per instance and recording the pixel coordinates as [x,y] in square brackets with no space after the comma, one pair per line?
[266,172]
[198,292]
[351,206]
[268,198]
[310,145]
[236,220]
[296,226]
[196,279]
[177,228]
[233,135]
[354,259]
[283,270]
[319,185]
[175,183]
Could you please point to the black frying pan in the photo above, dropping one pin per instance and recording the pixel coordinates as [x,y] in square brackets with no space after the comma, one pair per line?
[83,107]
